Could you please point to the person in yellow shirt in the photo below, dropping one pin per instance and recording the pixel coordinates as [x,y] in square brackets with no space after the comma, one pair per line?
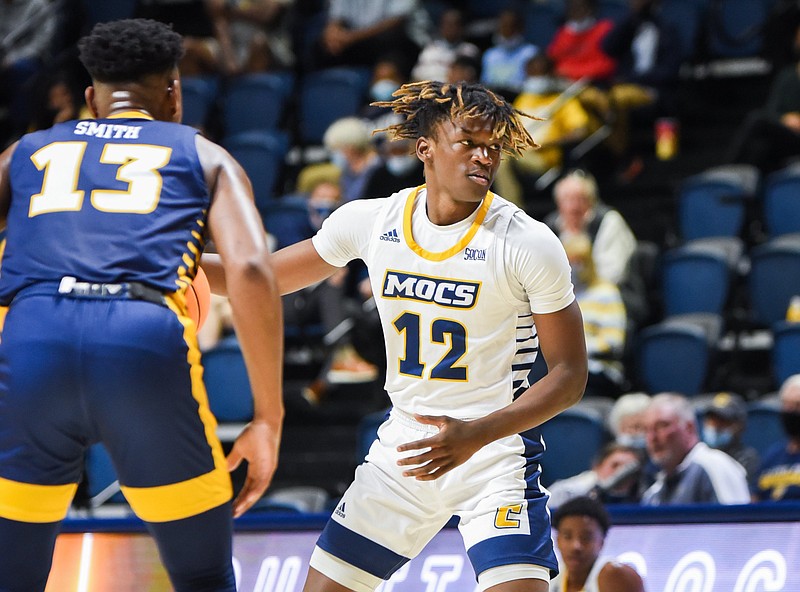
[561,122]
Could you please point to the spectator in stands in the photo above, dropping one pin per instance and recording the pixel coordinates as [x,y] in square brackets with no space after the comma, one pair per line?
[582,525]
[724,421]
[690,471]
[613,478]
[648,57]
[576,48]
[625,420]
[352,151]
[256,33]
[562,122]
[207,50]
[439,54]
[327,304]
[579,210]
[358,32]
[27,28]
[604,319]
[464,69]
[778,477]
[503,67]
[770,135]
[58,94]
[399,168]
[387,76]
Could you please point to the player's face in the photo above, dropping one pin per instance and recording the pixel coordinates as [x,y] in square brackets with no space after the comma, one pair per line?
[580,540]
[462,159]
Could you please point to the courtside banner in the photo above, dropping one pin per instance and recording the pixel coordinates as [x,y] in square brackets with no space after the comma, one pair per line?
[673,556]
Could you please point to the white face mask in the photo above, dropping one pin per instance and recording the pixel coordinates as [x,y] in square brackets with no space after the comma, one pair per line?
[339,160]
[382,90]
[400,165]
[539,85]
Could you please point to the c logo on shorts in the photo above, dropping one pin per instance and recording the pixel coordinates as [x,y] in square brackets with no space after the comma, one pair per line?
[504,518]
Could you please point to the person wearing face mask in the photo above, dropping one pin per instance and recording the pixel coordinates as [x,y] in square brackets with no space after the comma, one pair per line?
[778,477]
[576,48]
[724,420]
[503,67]
[604,320]
[348,142]
[400,168]
[561,122]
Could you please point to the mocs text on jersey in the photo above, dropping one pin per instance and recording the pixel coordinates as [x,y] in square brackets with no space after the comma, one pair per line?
[448,292]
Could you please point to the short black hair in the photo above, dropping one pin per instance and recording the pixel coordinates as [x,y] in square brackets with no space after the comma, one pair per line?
[583,506]
[427,103]
[130,49]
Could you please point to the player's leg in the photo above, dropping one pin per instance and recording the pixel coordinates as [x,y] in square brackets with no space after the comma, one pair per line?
[196,551]
[382,521]
[41,444]
[503,516]
[151,408]
[317,582]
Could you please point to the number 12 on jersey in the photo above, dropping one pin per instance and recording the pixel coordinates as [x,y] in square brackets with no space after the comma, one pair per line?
[446,332]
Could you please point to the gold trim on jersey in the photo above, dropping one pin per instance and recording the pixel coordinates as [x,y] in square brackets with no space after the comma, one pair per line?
[28,502]
[459,246]
[132,114]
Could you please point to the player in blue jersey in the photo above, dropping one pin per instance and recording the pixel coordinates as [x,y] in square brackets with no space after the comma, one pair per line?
[106,221]
[468,288]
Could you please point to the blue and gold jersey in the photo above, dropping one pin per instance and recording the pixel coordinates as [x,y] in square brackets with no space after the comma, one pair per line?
[108,201]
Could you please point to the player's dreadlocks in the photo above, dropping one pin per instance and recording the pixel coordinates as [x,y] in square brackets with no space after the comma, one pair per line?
[127,50]
[425,104]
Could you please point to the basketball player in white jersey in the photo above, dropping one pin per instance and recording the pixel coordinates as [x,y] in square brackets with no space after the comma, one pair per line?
[469,289]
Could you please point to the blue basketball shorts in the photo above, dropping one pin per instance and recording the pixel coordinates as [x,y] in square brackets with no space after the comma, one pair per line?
[78,370]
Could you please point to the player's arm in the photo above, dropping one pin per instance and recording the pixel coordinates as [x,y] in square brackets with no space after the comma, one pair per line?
[5,183]
[295,267]
[236,229]
[618,577]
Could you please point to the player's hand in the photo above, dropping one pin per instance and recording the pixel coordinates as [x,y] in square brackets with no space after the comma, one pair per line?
[258,444]
[455,443]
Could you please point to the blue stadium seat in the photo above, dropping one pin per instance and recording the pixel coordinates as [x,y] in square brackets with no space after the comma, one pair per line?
[785,350]
[262,154]
[781,201]
[563,457]
[227,383]
[713,203]
[286,218]
[256,102]
[735,28]
[675,355]
[773,279]
[687,19]
[199,94]
[697,277]
[764,427]
[542,20]
[328,95]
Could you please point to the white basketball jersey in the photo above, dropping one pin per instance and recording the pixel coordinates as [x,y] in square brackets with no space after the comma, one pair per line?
[455,301]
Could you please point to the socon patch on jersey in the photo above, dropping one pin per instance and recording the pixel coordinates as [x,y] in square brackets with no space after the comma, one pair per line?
[449,292]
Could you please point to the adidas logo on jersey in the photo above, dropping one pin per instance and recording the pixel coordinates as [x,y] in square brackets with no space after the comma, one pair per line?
[390,236]
[449,292]
[340,510]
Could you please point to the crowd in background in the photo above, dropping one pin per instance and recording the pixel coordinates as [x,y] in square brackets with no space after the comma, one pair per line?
[589,87]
